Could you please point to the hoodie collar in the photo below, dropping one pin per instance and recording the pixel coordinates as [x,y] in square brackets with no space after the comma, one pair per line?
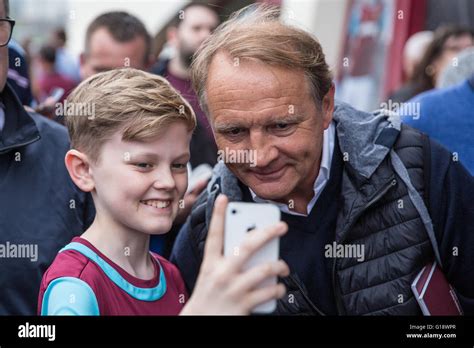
[19,129]
[365,139]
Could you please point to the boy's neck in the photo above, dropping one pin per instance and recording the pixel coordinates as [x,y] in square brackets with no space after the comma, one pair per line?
[127,248]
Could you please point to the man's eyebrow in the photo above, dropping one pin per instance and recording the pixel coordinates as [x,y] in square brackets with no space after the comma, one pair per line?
[225,127]
[291,118]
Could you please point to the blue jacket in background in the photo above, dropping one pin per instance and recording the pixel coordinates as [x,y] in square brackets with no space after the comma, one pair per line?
[446,115]
[41,209]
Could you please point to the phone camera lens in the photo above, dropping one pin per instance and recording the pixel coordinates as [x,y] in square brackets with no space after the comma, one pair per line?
[234,211]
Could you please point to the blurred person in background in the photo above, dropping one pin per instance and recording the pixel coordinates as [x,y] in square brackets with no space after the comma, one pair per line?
[460,69]
[413,52]
[447,42]
[18,73]
[49,78]
[66,64]
[40,207]
[115,40]
[192,25]
[447,114]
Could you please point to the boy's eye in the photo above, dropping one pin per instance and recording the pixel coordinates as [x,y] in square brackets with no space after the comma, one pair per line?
[179,165]
[144,165]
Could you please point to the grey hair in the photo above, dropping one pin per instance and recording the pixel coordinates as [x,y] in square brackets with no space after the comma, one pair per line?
[255,32]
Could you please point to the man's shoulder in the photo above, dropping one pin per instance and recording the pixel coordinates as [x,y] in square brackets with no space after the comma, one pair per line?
[49,127]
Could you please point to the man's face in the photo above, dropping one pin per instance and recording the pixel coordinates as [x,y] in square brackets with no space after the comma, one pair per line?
[197,25]
[451,49]
[3,54]
[269,109]
[138,185]
[105,53]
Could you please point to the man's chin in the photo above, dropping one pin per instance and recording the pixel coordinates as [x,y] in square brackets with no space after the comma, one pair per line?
[271,191]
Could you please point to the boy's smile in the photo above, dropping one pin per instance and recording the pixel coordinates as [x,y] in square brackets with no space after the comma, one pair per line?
[138,185]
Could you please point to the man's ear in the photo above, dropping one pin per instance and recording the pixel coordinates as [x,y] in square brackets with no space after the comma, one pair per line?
[172,35]
[328,106]
[83,69]
[78,166]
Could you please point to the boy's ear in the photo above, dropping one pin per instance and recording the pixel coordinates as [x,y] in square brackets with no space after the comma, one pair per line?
[77,164]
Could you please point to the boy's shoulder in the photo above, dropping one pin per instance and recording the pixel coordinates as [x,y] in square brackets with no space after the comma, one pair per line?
[172,273]
[70,263]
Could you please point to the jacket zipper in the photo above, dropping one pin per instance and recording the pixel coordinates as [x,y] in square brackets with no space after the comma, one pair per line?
[366,206]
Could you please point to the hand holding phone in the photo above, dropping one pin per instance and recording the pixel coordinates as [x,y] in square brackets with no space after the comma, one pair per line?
[242,219]
[226,285]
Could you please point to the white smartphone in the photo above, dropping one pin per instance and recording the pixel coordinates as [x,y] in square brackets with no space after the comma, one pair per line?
[240,219]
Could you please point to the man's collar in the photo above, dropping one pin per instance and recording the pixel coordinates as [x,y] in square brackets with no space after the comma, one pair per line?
[19,129]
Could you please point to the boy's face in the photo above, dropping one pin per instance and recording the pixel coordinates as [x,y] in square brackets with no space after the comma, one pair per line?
[138,185]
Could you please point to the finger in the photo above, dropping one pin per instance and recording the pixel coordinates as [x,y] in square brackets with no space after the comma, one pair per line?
[256,275]
[262,295]
[199,187]
[215,236]
[254,241]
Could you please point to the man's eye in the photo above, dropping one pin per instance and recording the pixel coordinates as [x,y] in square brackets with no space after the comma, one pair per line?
[281,126]
[144,165]
[234,131]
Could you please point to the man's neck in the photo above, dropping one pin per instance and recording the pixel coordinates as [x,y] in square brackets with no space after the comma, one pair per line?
[127,248]
[178,69]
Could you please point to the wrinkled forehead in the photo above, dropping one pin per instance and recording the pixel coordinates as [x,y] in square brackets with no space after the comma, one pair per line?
[253,83]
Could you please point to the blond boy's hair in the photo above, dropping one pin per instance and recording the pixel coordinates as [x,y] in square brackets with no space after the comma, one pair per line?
[138,104]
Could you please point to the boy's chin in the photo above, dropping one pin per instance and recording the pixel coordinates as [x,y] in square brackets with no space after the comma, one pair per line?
[157,229]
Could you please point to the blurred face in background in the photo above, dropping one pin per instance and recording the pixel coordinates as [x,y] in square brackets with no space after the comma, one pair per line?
[105,53]
[451,48]
[3,54]
[196,25]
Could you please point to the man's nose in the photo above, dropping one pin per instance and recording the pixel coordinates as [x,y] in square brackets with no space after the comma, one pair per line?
[266,151]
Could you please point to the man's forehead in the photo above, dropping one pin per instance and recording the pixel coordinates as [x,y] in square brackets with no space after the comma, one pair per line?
[231,77]
[102,42]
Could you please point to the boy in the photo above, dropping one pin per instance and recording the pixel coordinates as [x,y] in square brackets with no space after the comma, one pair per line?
[130,134]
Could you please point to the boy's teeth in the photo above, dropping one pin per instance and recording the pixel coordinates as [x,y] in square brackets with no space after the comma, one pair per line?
[157,204]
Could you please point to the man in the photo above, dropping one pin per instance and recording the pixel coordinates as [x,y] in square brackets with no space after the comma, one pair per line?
[50,78]
[368,202]
[194,23]
[66,64]
[115,40]
[40,207]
